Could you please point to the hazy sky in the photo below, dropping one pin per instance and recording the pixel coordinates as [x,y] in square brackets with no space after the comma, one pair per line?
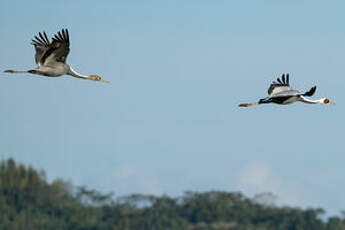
[169,120]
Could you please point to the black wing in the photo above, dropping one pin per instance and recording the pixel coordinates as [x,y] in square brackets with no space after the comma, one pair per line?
[57,50]
[310,92]
[280,86]
[41,43]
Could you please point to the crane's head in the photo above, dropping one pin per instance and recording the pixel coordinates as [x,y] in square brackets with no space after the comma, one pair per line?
[98,78]
[327,101]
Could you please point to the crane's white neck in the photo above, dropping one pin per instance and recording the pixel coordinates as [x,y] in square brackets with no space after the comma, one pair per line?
[318,101]
[75,74]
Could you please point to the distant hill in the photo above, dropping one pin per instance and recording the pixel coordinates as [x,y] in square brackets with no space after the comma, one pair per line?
[29,202]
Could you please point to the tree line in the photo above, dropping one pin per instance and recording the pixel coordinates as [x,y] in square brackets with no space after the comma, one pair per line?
[29,202]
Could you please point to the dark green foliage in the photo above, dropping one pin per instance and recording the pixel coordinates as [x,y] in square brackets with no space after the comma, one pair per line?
[29,202]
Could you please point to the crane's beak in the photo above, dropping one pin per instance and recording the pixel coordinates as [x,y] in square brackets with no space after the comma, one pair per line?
[104,80]
[332,102]
[97,78]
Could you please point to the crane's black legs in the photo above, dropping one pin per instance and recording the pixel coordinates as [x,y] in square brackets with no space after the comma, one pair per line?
[248,104]
[16,71]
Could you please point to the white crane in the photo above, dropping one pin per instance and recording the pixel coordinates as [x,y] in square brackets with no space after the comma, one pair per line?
[281,93]
[51,57]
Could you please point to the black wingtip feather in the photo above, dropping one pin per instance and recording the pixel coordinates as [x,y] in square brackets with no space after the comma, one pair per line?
[67,35]
[45,36]
[310,92]
[38,39]
[44,41]
[283,80]
[61,36]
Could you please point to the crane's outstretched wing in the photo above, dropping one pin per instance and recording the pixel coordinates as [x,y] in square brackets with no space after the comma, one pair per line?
[310,92]
[41,46]
[57,50]
[280,86]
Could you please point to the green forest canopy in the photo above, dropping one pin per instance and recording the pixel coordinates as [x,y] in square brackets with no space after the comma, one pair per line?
[28,201]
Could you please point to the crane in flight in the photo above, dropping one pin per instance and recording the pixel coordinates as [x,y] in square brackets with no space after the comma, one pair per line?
[281,93]
[51,57]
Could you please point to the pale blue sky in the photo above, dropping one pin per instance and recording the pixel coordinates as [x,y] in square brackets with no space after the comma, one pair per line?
[169,120]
